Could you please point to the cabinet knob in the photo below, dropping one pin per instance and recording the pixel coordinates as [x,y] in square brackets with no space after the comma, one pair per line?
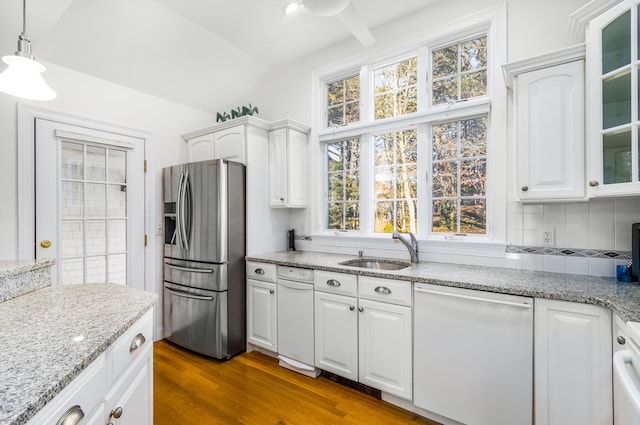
[116,413]
[593,183]
[525,188]
[72,416]
[621,340]
[360,309]
[271,291]
[282,199]
[351,308]
[137,342]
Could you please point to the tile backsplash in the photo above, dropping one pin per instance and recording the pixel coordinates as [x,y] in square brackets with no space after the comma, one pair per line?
[600,225]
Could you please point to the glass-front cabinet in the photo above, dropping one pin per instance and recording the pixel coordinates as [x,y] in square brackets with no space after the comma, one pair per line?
[613,58]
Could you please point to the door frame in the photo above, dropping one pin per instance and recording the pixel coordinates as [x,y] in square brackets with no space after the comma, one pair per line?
[26,181]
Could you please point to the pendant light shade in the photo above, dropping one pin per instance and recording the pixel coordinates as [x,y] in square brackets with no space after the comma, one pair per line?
[23,76]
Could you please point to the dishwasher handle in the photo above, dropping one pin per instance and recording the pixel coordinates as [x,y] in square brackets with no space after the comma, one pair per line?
[291,284]
[624,371]
[472,298]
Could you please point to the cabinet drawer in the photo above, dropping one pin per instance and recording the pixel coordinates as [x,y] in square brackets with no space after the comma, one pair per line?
[385,290]
[261,271]
[128,346]
[337,283]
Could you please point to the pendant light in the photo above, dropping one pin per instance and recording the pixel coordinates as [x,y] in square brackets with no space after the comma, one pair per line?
[22,78]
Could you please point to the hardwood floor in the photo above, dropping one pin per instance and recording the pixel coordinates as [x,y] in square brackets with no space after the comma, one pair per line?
[252,389]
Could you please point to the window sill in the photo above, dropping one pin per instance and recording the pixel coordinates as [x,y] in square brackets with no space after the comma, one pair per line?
[476,247]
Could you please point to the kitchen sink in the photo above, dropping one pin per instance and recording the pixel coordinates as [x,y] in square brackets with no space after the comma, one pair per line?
[376,263]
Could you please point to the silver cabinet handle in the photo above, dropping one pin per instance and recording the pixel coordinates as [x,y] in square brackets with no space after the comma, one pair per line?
[116,413]
[188,269]
[351,308]
[72,416]
[137,342]
[271,291]
[333,282]
[621,340]
[259,271]
[383,290]
[472,298]
[593,183]
[525,188]
[360,309]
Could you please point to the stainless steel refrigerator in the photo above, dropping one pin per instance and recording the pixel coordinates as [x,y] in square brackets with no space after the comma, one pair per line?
[204,250]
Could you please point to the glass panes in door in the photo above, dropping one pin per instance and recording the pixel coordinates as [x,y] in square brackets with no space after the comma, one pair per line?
[93,213]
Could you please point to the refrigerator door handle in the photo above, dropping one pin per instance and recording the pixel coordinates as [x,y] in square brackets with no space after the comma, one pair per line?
[179,212]
[187,218]
[188,269]
[188,295]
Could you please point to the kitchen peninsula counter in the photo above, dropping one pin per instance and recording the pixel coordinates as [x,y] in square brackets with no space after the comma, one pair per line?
[49,336]
[621,297]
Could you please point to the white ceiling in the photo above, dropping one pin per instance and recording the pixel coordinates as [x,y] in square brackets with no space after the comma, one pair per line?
[188,51]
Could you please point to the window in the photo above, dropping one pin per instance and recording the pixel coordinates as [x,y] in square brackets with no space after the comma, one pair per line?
[395,176]
[343,181]
[343,101]
[408,151]
[460,71]
[395,89]
[458,189]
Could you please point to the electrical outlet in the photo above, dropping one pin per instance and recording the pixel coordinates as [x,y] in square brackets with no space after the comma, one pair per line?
[549,236]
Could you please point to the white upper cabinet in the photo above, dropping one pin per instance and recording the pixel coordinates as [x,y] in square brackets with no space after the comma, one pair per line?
[613,114]
[549,143]
[227,143]
[288,166]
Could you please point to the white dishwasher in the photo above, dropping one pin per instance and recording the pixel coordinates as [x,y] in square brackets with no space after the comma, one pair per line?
[295,320]
[626,379]
[473,355]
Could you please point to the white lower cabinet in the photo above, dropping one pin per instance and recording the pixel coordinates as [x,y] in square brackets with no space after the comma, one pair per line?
[385,347]
[262,306]
[262,329]
[336,334]
[130,400]
[363,338]
[573,371]
[120,377]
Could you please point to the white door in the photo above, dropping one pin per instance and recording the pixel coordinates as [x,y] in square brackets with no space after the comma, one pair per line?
[89,208]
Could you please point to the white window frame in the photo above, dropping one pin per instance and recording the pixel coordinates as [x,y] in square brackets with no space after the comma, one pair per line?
[491,21]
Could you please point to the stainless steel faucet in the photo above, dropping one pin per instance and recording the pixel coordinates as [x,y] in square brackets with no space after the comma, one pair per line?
[412,247]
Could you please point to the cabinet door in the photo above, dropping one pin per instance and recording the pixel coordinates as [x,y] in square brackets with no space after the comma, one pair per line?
[262,327]
[336,334]
[277,168]
[385,349]
[230,144]
[572,364]
[550,133]
[296,169]
[200,148]
[613,118]
[133,393]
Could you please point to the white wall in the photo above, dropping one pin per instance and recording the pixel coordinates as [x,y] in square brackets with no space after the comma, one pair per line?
[533,28]
[88,97]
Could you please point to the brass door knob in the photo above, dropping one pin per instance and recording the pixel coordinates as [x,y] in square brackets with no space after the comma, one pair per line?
[45,243]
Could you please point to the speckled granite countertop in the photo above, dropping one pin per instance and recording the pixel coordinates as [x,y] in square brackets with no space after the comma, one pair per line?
[622,298]
[38,357]
[22,276]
